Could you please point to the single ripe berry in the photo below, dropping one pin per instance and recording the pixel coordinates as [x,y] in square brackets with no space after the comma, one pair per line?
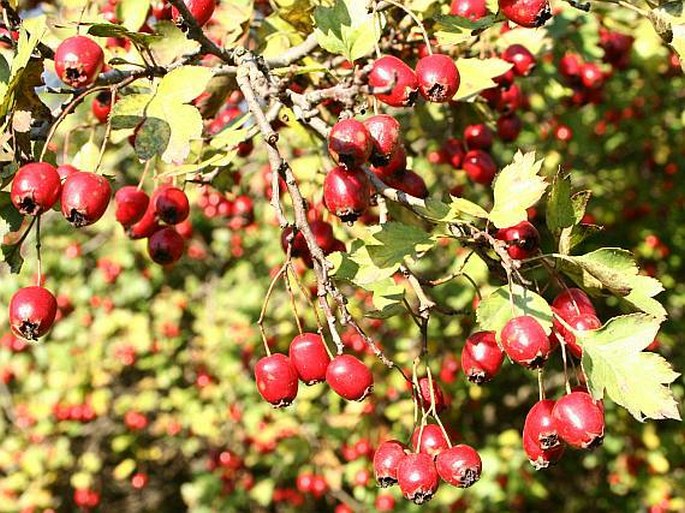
[346,193]
[572,302]
[481,358]
[201,10]
[523,240]
[471,9]
[147,225]
[78,61]
[432,440]
[410,183]
[478,137]
[527,13]
[171,204]
[66,170]
[538,457]
[438,396]
[581,322]
[591,75]
[385,462]
[101,106]
[510,99]
[418,478]
[509,127]
[569,67]
[385,138]
[35,188]
[131,205]
[32,312]
[85,197]
[438,77]
[479,166]
[384,502]
[165,246]
[276,380]
[525,341]
[309,357]
[349,377]
[459,465]
[522,59]
[395,166]
[350,143]
[453,149]
[540,427]
[579,420]
[395,82]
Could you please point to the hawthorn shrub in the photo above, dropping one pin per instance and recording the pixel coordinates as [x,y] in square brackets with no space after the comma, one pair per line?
[442,239]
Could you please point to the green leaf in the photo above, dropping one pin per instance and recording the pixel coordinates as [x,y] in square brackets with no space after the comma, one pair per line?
[614,361]
[152,138]
[516,188]
[184,84]
[476,75]
[498,308]
[129,110]
[467,207]
[387,299]
[12,257]
[4,70]
[347,28]
[133,13]
[560,212]
[87,157]
[10,218]
[172,43]
[119,32]
[454,30]
[389,244]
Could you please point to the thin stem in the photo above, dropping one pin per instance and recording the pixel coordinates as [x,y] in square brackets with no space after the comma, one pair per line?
[39,259]
[417,21]
[146,169]
[541,386]
[260,321]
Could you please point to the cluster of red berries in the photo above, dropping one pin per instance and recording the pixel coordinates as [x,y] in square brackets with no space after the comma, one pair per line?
[83,412]
[86,498]
[239,210]
[277,375]
[527,13]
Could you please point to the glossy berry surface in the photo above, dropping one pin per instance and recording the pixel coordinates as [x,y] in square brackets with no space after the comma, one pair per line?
[309,357]
[78,61]
[437,396]
[527,13]
[171,205]
[394,166]
[101,106]
[85,197]
[147,225]
[459,465]
[525,342]
[479,166]
[581,322]
[391,72]
[432,440]
[418,478]
[276,380]
[410,183]
[540,426]
[478,137]
[32,312]
[522,59]
[438,77]
[471,9]
[165,246]
[384,131]
[481,358]
[571,302]
[523,240]
[201,10]
[349,377]
[350,143]
[579,420]
[386,460]
[346,193]
[35,188]
[131,204]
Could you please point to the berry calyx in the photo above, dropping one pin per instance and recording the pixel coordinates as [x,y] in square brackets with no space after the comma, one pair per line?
[349,377]
[385,136]
[391,73]
[276,380]
[418,478]
[527,13]
[131,204]
[523,240]
[386,460]
[438,77]
[171,204]
[85,197]
[433,440]
[541,458]
[78,61]
[525,342]
[350,143]
[395,166]
[579,420]
[481,358]
[459,465]
[32,312]
[165,246]
[539,425]
[35,188]
[346,193]
[201,10]
[309,357]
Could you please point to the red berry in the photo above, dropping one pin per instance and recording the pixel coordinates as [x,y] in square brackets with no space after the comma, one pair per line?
[591,75]
[522,59]
[432,440]
[509,127]
[471,9]
[540,427]
[131,205]
[276,380]
[569,67]
[579,420]
[35,188]
[527,13]
[384,502]
[165,246]
[346,193]
[66,170]
[581,322]
[418,477]
[572,302]
[171,204]
[478,137]
[101,106]
[309,357]
[525,341]
[523,240]
[386,461]
[32,312]
[146,226]
[85,197]
[201,10]
[454,152]
[481,358]
[438,77]
[459,465]
[350,143]
[391,72]
[538,457]
[161,10]
[438,396]
[410,183]
[509,100]
[349,377]
[78,61]
[304,481]
[385,138]
[479,166]
[395,166]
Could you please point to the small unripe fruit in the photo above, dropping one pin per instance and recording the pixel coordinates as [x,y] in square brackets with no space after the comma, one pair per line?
[459,465]
[85,197]
[349,377]
[481,358]
[131,204]
[523,240]
[350,143]
[525,342]
[32,312]
[391,72]
[386,461]
[276,380]
[418,478]
[579,420]
[165,246]
[346,193]
[35,188]
[309,357]
[438,77]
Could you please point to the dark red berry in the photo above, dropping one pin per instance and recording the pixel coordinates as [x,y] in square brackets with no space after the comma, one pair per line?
[386,461]
[541,458]
[509,100]
[591,75]
[78,61]
[527,13]
[66,170]
[309,357]
[438,77]
[571,302]
[478,137]
[523,240]
[161,10]
[85,197]
[349,377]
[395,166]
[522,59]
[101,106]
[35,188]
[459,465]
[171,204]
[276,380]
[410,183]
[201,10]
[165,246]
[480,167]
[385,138]
[579,420]
[432,440]
[418,478]
[391,73]
[525,341]
[32,312]
[346,193]
[131,204]
[539,425]
[481,358]
[569,67]
[453,150]
[440,402]
[509,127]
[350,143]
[471,9]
